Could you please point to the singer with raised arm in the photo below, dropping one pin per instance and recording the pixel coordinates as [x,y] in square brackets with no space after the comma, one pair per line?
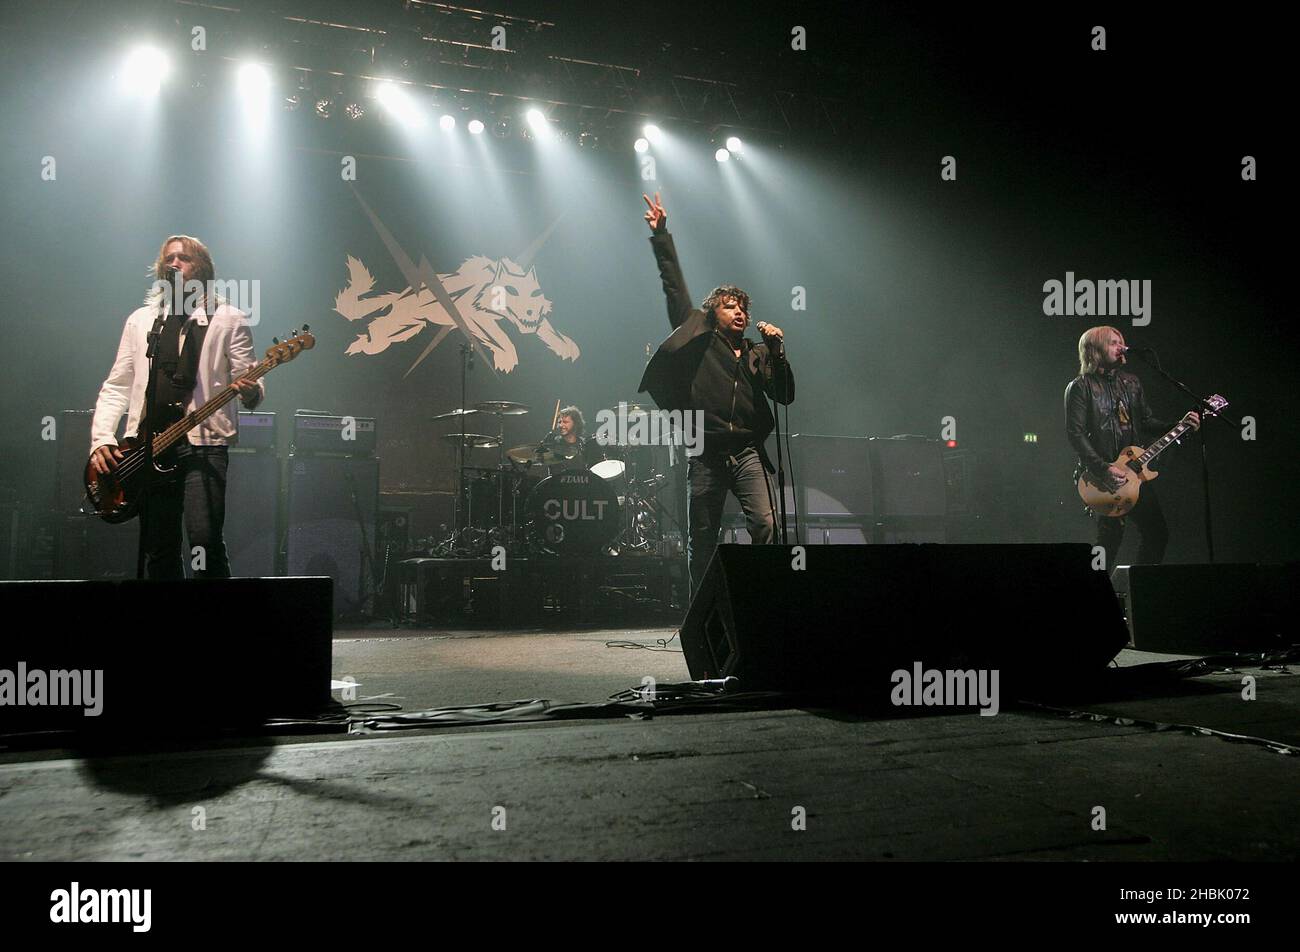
[1106,412]
[203,345]
[708,366]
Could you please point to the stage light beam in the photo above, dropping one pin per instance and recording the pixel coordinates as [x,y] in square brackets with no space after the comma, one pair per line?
[146,67]
[476,127]
[722,155]
[642,144]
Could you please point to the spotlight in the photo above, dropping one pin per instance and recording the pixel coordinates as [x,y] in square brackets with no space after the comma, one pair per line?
[475,127]
[536,120]
[653,133]
[501,128]
[447,123]
[733,144]
[587,140]
[291,103]
[398,102]
[641,145]
[354,110]
[324,107]
[254,80]
[145,70]
[722,155]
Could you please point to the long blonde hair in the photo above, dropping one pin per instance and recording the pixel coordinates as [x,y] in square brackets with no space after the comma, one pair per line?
[1092,347]
[205,272]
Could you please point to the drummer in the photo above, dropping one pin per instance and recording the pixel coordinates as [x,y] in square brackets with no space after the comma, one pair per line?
[567,438]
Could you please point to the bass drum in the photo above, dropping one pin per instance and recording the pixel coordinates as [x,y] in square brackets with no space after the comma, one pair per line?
[574,512]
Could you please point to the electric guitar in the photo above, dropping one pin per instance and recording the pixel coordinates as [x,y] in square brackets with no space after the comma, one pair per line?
[115,496]
[1107,496]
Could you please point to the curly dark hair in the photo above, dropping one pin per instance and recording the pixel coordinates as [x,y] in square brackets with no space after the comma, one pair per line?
[579,424]
[720,294]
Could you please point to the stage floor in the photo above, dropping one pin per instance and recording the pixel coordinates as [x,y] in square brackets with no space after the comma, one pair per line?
[1023,785]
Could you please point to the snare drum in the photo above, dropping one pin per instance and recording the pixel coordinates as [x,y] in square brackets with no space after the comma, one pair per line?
[574,512]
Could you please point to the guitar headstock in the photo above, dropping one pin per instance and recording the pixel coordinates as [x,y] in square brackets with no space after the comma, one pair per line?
[1214,404]
[284,351]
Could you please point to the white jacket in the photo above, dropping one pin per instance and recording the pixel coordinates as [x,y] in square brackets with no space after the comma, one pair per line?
[227,354]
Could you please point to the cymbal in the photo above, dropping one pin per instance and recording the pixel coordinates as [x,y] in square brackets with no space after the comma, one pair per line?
[456,413]
[530,453]
[632,409]
[502,407]
[474,440]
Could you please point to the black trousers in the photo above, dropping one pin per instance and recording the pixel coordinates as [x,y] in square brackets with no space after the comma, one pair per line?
[710,479]
[196,491]
[1150,520]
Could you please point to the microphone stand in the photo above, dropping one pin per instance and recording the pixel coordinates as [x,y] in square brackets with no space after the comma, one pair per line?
[780,461]
[1205,460]
[466,363]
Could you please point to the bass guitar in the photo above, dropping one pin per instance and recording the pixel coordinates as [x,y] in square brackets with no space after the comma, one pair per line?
[115,496]
[1107,496]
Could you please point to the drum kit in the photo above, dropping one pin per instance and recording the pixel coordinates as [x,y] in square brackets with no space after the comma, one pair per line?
[550,497]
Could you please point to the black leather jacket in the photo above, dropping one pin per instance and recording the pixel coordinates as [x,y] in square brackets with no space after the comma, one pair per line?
[671,370]
[1093,422]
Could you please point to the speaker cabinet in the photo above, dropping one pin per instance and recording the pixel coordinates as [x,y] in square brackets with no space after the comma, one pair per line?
[851,615]
[332,506]
[252,512]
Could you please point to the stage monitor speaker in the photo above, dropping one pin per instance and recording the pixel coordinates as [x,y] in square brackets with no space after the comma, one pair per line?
[331,498]
[852,615]
[1209,609]
[163,658]
[252,510]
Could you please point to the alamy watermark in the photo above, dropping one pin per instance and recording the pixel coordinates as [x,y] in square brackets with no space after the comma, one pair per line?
[651,428]
[930,687]
[59,688]
[1087,298]
[77,905]
[243,293]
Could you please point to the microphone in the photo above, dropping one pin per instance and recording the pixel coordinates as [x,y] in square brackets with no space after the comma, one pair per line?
[1136,350]
[777,349]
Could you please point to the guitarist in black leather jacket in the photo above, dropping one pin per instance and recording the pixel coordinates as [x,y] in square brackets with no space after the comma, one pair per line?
[1106,411]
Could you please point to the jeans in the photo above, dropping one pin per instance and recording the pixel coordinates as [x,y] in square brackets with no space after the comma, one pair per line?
[1150,519]
[710,477]
[198,487]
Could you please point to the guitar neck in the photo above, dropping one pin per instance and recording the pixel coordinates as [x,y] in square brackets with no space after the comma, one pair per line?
[188,422]
[1162,444]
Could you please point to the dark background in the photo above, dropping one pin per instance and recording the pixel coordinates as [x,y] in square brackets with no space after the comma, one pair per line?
[924,296]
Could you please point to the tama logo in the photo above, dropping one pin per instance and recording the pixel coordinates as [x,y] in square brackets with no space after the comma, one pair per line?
[581,478]
[76,905]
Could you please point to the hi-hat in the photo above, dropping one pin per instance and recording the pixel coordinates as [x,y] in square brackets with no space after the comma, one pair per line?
[502,407]
[474,440]
[456,413]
